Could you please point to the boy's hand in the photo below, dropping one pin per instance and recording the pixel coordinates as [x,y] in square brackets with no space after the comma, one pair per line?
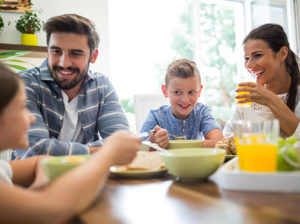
[212,137]
[159,136]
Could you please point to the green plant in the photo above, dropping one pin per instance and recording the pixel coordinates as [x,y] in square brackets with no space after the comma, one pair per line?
[30,22]
[6,57]
[1,23]
[128,106]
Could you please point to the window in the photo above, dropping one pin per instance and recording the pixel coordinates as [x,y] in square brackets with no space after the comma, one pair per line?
[145,36]
[275,11]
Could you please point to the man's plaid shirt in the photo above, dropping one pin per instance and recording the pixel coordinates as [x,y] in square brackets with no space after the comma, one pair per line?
[99,113]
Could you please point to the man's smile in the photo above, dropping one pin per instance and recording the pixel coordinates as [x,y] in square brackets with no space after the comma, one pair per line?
[67,74]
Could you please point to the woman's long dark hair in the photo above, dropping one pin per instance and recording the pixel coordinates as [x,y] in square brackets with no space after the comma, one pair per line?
[9,86]
[276,38]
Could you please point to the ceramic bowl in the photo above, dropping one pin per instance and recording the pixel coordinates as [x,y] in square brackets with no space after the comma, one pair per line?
[175,144]
[193,164]
[56,166]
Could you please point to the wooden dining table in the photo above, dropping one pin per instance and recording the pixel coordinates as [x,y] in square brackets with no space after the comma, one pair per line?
[164,199]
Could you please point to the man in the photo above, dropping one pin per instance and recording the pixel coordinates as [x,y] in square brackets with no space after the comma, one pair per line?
[74,107]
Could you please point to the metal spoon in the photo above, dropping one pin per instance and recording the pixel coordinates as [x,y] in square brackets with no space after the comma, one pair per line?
[178,137]
[156,146]
[146,134]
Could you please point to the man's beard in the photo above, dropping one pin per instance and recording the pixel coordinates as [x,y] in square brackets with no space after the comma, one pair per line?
[65,84]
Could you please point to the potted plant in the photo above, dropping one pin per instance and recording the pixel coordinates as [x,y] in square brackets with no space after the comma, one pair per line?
[1,23]
[29,24]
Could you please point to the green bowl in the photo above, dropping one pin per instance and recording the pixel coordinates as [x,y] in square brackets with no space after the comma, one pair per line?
[56,166]
[193,164]
[179,144]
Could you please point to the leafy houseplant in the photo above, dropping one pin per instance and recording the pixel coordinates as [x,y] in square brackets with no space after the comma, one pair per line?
[8,58]
[1,23]
[29,24]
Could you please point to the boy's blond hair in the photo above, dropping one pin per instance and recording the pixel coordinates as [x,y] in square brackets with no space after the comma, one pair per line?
[182,68]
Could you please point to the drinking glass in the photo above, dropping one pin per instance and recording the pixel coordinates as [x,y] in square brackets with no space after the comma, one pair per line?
[244,78]
[256,143]
[248,104]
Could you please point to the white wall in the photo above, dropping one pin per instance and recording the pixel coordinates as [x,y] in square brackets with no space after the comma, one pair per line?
[95,10]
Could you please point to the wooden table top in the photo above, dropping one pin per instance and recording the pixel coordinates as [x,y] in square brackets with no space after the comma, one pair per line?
[165,200]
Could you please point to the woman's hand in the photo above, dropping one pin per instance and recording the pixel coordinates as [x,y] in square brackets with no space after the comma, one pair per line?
[159,136]
[257,94]
[261,95]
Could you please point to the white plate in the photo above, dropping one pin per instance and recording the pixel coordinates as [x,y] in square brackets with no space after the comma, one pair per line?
[117,171]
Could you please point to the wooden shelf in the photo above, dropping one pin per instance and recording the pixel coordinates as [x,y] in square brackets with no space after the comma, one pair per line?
[23,47]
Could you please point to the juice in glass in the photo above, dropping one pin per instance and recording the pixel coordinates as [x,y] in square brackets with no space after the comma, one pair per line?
[256,143]
[248,104]
[239,153]
[257,157]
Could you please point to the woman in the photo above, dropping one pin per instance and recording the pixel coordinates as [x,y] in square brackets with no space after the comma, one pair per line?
[69,194]
[276,92]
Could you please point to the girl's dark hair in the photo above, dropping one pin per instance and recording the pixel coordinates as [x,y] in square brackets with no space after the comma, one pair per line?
[182,68]
[276,38]
[9,86]
[73,23]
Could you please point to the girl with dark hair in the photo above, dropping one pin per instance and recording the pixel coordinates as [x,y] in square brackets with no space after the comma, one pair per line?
[66,196]
[276,92]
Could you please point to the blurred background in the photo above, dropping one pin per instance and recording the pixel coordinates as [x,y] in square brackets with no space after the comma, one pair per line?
[139,38]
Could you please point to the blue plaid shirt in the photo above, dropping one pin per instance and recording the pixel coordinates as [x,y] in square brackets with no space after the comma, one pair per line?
[99,113]
[196,126]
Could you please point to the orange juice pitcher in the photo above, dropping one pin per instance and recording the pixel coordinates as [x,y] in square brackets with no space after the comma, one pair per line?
[256,143]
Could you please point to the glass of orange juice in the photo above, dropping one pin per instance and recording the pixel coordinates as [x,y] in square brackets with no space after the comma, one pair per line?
[248,104]
[256,143]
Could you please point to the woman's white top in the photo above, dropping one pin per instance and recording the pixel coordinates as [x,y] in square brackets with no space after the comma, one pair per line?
[6,172]
[259,112]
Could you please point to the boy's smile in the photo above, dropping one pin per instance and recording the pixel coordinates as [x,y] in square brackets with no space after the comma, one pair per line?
[184,107]
[183,94]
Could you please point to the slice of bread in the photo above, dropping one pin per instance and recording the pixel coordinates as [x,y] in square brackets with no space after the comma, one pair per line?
[146,161]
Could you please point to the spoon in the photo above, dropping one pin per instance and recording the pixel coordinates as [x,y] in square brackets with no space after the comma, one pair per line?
[146,134]
[156,146]
[178,137]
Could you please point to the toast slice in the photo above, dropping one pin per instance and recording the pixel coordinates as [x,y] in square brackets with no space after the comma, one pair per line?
[146,161]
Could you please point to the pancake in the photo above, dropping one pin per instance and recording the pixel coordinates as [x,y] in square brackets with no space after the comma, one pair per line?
[146,161]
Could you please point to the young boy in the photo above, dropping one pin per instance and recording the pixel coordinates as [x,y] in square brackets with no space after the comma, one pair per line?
[185,116]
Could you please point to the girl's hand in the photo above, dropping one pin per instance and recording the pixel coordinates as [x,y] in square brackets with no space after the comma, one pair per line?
[122,147]
[41,179]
